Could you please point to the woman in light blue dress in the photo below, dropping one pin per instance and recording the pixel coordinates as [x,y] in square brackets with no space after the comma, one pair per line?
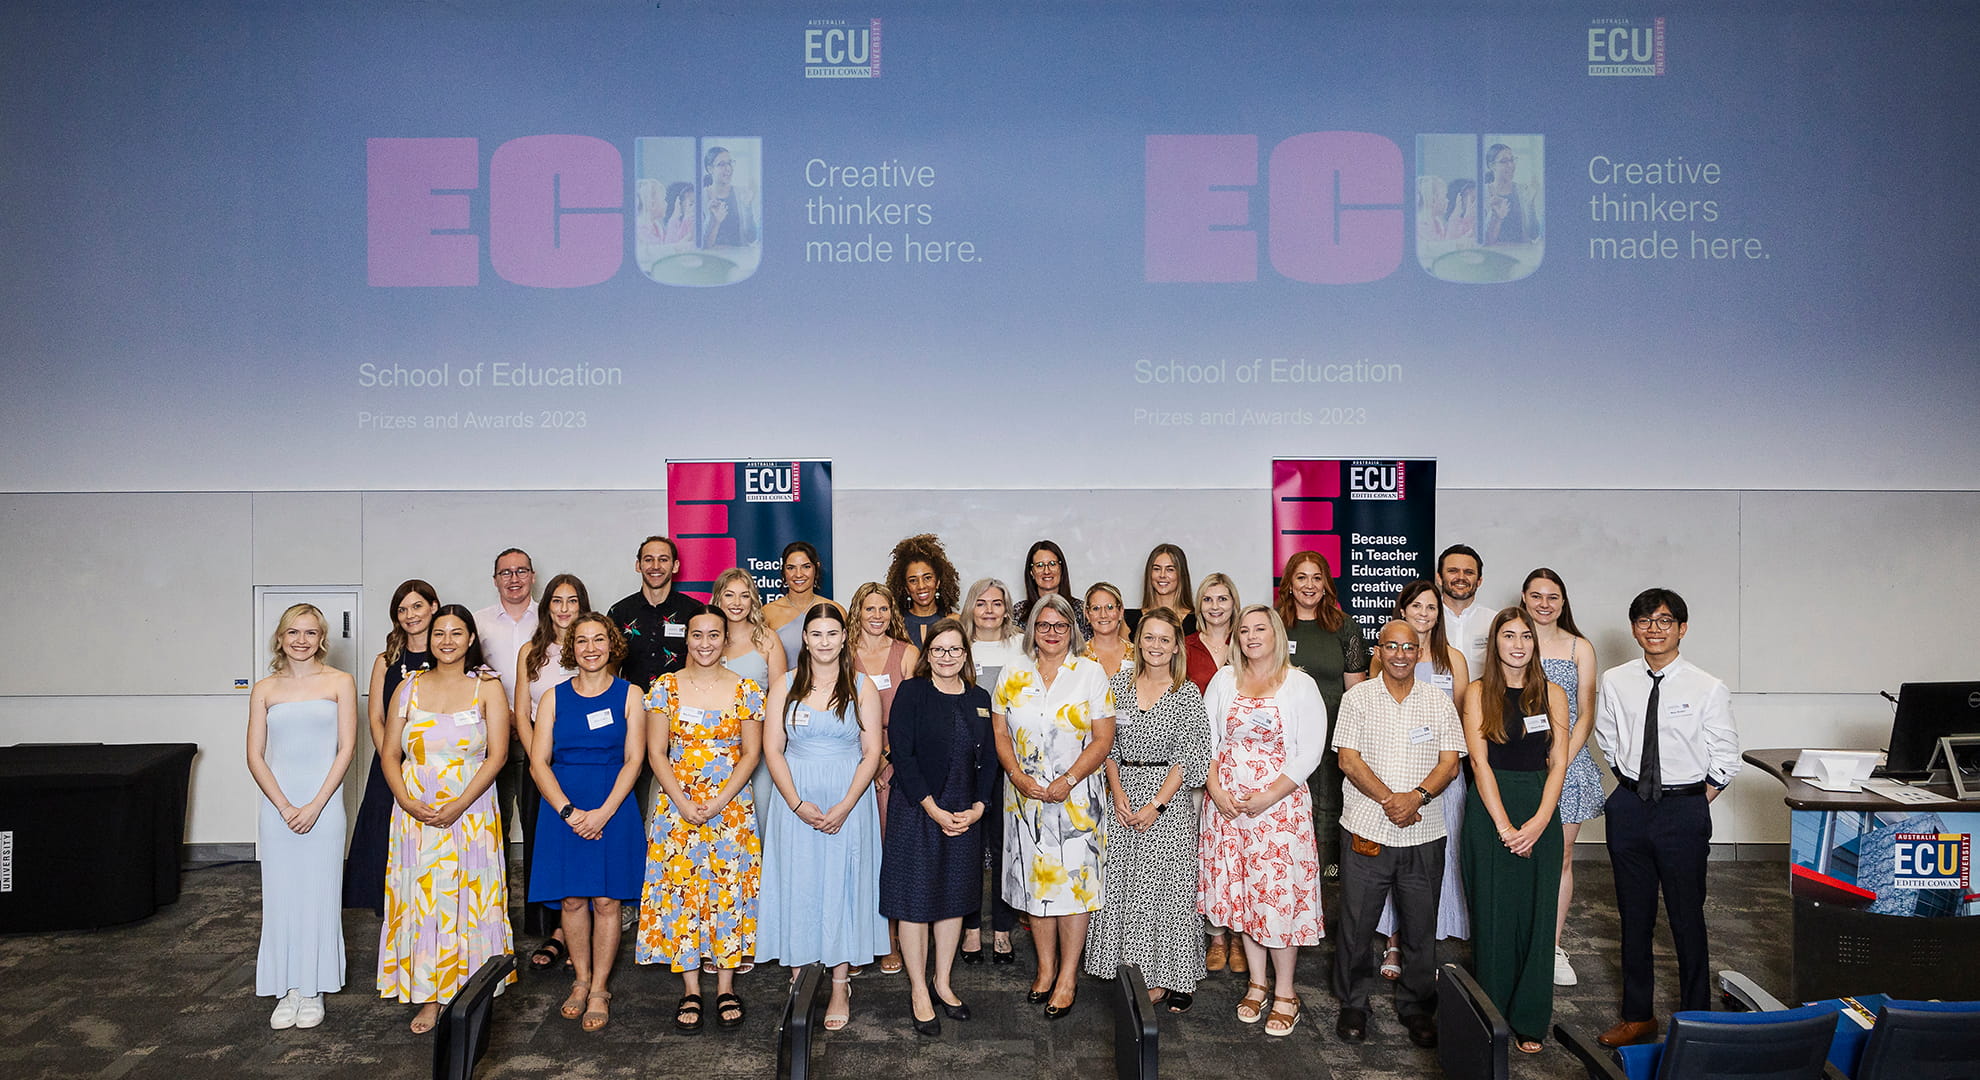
[820,899]
[1564,655]
[754,652]
[302,731]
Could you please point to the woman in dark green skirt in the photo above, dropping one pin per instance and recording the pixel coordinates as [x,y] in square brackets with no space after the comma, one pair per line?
[1516,730]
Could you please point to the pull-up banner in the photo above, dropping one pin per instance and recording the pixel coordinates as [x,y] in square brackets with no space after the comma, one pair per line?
[1375,522]
[742,513]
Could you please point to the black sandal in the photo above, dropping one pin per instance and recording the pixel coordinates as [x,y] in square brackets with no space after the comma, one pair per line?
[687,1015]
[725,1004]
[1177,1001]
[547,954]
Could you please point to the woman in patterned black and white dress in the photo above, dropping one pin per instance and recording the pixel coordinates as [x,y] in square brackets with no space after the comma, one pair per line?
[1568,659]
[1159,762]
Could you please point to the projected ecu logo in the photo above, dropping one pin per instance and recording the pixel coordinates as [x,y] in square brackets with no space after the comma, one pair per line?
[1626,46]
[771,481]
[1932,861]
[1375,480]
[842,49]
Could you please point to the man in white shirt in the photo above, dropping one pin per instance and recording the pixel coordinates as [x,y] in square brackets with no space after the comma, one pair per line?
[501,629]
[1466,622]
[1399,742]
[504,626]
[1667,729]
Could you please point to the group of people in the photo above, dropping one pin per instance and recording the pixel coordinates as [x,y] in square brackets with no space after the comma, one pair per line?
[829,783]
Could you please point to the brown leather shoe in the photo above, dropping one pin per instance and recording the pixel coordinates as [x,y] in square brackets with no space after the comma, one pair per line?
[1628,1033]
[1238,963]
[1217,953]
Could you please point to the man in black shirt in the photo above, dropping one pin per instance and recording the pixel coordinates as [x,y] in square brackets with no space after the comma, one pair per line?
[654,619]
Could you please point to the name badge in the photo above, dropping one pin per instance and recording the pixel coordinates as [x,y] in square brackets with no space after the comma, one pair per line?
[1441,682]
[1678,710]
[1292,647]
[979,672]
[601,718]
[693,715]
[982,712]
[1127,664]
[1259,719]
[1538,723]
[467,718]
[802,717]
[882,682]
[1421,735]
[674,630]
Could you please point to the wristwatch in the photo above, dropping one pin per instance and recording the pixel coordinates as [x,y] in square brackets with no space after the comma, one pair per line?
[1161,808]
[567,811]
[1426,795]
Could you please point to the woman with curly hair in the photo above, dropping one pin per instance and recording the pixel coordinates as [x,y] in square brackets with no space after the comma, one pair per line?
[924,583]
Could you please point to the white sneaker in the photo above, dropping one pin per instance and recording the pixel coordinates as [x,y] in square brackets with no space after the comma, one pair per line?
[1563,971]
[284,1016]
[310,1012]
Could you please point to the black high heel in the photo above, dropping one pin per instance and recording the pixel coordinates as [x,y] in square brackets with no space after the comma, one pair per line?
[930,1026]
[1038,997]
[971,956]
[958,1011]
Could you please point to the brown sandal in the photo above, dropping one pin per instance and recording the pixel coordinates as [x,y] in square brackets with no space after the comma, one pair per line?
[1251,1007]
[573,1006]
[596,1019]
[1282,1022]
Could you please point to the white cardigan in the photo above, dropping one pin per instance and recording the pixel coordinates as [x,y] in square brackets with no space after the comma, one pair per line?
[1302,718]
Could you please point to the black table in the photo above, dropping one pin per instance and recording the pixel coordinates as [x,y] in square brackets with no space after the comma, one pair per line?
[90,833]
[1841,950]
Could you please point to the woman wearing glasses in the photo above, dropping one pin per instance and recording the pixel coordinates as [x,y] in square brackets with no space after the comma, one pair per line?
[1109,643]
[931,874]
[1054,721]
[1045,571]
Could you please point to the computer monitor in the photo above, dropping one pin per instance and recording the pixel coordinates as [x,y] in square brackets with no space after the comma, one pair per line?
[1925,713]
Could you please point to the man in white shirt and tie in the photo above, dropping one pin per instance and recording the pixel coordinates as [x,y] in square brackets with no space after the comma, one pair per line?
[1466,622]
[1667,729]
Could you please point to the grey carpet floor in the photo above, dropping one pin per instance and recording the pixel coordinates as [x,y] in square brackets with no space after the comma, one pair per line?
[173,996]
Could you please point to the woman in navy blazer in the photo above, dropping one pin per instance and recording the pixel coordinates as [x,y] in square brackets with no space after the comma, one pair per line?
[945,772]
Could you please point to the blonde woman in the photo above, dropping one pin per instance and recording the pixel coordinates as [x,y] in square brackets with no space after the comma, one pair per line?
[1261,869]
[881,652]
[995,643]
[1209,651]
[754,651]
[302,731]
[1108,616]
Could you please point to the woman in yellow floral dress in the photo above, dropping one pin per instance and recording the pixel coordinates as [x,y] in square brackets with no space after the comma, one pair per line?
[703,857]
[446,893]
[1054,721]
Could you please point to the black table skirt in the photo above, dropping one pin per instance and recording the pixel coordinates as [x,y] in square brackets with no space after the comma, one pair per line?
[90,834]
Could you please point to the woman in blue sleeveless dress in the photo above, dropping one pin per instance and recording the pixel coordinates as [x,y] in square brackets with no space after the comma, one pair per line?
[754,651]
[1564,655]
[590,855]
[302,731]
[820,900]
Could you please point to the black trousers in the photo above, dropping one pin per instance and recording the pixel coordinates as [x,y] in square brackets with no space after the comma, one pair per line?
[516,792]
[1415,875]
[1651,847]
[1003,917]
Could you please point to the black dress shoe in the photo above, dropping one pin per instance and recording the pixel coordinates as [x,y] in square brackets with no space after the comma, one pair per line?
[930,1026]
[1037,997]
[1422,1029]
[972,956]
[1055,1012]
[958,1011]
[1006,957]
[1352,1026]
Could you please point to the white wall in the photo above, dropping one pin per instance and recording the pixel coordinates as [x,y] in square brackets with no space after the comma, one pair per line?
[134,611]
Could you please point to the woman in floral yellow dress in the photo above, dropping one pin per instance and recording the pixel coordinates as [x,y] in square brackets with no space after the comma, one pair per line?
[703,858]
[1054,721]
[446,891]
